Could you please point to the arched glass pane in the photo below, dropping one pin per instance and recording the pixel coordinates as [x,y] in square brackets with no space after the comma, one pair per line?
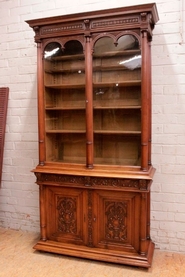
[117,100]
[52,49]
[73,47]
[103,45]
[64,83]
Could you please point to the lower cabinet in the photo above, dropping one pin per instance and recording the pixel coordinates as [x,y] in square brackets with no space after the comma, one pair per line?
[97,218]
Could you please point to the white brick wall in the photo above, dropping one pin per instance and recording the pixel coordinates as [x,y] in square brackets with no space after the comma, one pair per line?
[18,194]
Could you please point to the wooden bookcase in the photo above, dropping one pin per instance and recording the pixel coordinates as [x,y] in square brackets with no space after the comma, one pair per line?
[94,114]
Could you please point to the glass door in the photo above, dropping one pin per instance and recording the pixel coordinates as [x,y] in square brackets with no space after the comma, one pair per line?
[117,101]
[64,85]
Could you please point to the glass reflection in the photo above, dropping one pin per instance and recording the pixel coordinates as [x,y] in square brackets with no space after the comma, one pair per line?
[52,49]
[132,63]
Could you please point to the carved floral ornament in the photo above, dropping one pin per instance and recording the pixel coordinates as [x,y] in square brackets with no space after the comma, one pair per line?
[88,181]
[116,214]
[67,222]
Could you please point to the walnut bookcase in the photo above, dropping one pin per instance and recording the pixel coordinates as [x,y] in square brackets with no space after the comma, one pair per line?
[94,114]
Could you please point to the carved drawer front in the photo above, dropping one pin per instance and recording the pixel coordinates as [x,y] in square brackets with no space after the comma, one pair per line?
[64,214]
[117,220]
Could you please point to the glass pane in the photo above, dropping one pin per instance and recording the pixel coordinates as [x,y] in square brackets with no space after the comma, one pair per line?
[117,100]
[64,80]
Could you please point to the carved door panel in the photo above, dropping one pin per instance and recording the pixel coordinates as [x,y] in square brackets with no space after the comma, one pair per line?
[64,214]
[117,220]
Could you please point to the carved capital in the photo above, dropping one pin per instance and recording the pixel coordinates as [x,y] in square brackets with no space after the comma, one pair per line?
[87,32]
[143,184]
[36,30]
[87,24]
[144,17]
[37,34]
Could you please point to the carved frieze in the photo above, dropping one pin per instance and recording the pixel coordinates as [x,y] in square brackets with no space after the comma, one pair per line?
[114,22]
[89,181]
[61,28]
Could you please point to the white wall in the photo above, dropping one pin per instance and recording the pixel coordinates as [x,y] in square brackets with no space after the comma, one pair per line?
[19,203]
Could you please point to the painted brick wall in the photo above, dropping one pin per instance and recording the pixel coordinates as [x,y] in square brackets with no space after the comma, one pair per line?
[19,202]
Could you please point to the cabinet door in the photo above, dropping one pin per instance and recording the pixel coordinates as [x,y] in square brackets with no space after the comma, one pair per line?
[64,214]
[117,220]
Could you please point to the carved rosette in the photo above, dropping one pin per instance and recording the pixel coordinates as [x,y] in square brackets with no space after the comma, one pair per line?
[88,181]
[115,226]
[66,215]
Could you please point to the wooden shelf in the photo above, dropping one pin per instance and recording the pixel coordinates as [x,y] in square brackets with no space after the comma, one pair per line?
[96,106]
[67,86]
[115,106]
[65,108]
[103,132]
[129,83]
[82,70]
[117,53]
[65,131]
[65,71]
[109,68]
[69,57]
[114,132]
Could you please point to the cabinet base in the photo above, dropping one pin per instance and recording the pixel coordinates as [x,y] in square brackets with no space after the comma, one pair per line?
[133,259]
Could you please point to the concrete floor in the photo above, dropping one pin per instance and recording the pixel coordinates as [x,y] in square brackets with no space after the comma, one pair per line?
[19,259]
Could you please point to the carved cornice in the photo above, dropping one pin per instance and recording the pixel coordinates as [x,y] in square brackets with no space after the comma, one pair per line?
[87,27]
[122,18]
[89,181]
